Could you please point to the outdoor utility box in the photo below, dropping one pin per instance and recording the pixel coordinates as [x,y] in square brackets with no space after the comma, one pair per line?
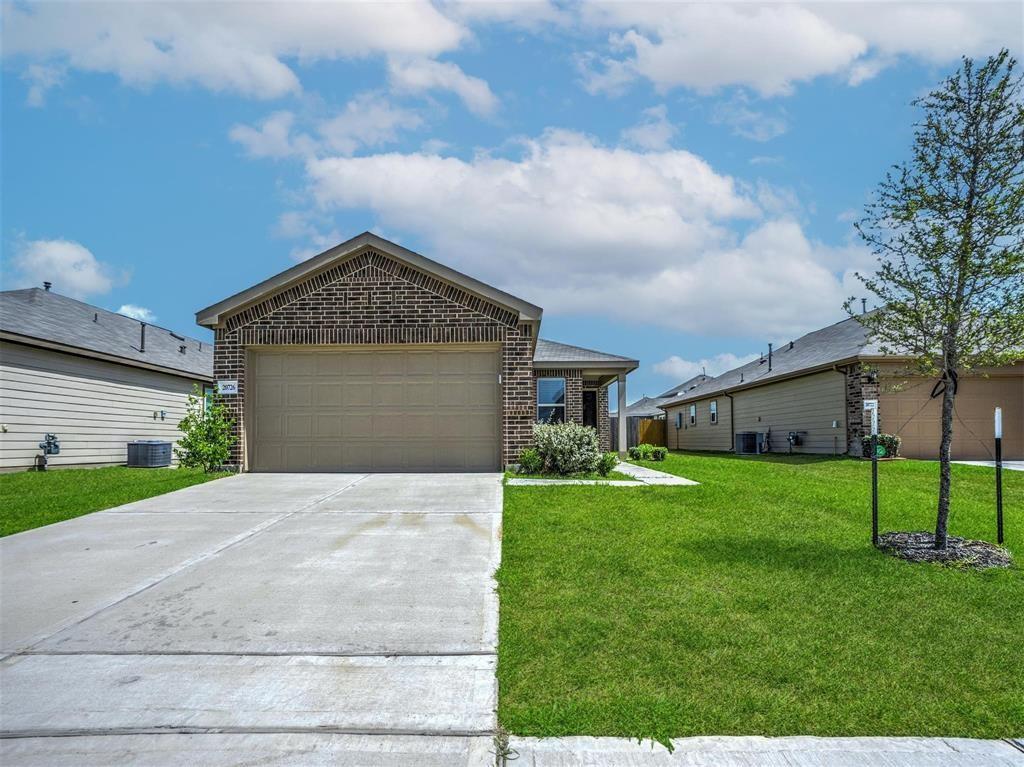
[746,442]
[149,453]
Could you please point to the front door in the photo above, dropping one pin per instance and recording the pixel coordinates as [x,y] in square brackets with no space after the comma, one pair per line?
[590,408]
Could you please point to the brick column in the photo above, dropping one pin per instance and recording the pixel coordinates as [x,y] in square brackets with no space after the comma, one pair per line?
[859,387]
[604,424]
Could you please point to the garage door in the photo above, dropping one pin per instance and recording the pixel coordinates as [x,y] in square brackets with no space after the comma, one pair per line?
[917,418]
[423,408]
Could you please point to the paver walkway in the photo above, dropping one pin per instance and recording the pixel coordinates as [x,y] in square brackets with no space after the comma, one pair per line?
[299,619]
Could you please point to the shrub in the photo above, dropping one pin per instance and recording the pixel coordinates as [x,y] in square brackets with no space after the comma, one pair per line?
[530,461]
[206,437]
[890,442]
[606,463]
[659,453]
[641,452]
[567,448]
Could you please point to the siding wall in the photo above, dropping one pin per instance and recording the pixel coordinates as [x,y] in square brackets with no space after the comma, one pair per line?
[95,407]
[808,404]
[704,435]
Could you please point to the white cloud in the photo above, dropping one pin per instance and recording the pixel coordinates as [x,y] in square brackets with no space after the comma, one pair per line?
[41,78]
[654,131]
[766,159]
[422,75]
[246,48]
[70,266]
[368,120]
[771,48]
[747,122]
[678,369]
[271,138]
[140,313]
[528,14]
[581,228]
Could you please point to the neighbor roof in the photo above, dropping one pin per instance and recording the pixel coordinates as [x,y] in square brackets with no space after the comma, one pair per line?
[651,406]
[554,354]
[45,318]
[211,315]
[842,342]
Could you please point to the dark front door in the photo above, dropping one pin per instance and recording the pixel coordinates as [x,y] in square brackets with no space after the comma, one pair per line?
[590,408]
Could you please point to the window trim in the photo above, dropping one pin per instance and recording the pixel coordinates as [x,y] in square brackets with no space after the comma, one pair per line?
[539,404]
[713,410]
[679,419]
[693,414]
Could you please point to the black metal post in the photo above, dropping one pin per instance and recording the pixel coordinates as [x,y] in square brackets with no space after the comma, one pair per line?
[874,489]
[999,489]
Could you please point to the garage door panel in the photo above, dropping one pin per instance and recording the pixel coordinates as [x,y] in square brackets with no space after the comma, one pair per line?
[428,408]
[298,394]
[357,426]
[356,393]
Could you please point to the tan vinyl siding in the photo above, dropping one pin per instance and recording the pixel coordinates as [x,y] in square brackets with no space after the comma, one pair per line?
[95,407]
[809,404]
[906,408]
[704,435]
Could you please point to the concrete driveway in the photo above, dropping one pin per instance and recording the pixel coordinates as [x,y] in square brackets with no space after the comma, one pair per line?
[289,619]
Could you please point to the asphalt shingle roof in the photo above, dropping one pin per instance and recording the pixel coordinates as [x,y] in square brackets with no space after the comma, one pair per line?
[552,351]
[842,341]
[650,406]
[48,316]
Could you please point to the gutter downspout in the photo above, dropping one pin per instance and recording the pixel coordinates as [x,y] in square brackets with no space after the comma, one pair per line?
[732,423]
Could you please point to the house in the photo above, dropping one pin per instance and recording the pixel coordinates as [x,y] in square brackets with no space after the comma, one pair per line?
[94,378]
[649,408]
[815,387]
[372,357]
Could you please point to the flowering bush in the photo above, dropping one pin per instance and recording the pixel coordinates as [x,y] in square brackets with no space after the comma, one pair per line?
[567,448]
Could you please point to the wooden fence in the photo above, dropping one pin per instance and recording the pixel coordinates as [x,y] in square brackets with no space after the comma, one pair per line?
[639,430]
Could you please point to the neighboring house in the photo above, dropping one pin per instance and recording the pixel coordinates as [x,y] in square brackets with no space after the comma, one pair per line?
[816,387]
[372,357]
[94,378]
[648,408]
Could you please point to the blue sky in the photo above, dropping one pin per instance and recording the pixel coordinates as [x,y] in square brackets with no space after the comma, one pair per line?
[674,182]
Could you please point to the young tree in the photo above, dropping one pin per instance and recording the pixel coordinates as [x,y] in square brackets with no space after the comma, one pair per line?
[206,437]
[948,229]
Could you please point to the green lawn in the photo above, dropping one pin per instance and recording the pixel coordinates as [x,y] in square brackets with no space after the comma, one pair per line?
[755,604]
[31,499]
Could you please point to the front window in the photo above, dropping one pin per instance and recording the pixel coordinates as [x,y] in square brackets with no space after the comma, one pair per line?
[714,411]
[693,415]
[551,400]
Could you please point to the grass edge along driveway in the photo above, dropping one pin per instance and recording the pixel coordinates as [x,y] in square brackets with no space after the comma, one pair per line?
[30,499]
[754,604]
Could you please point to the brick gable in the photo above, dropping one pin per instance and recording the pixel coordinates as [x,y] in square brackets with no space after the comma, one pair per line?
[374,299]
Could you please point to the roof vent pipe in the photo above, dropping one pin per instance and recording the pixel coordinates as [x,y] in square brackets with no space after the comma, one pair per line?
[863,306]
[769,358]
[142,338]
[790,344]
[47,286]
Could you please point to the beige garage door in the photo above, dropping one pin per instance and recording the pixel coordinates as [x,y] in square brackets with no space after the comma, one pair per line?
[422,408]
[916,417]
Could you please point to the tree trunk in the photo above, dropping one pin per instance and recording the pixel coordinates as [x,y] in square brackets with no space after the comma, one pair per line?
[942,521]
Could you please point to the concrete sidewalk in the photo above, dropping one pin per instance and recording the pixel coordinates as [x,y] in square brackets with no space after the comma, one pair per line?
[285,619]
[764,752]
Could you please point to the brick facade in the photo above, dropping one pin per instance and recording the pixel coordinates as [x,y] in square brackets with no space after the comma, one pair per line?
[373,299]
[861,384]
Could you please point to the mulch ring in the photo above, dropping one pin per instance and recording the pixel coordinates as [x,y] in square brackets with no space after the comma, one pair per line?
[959,552]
